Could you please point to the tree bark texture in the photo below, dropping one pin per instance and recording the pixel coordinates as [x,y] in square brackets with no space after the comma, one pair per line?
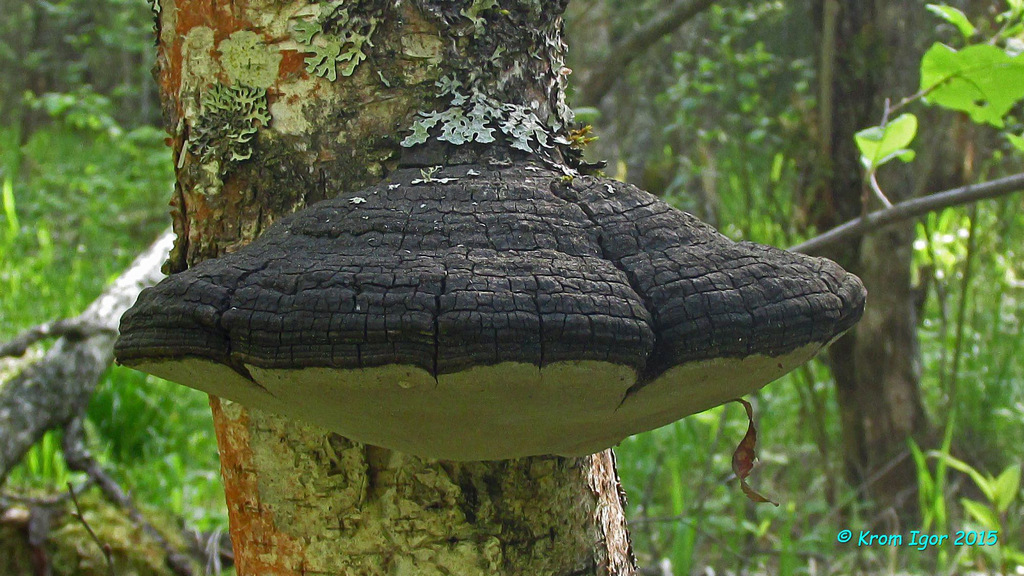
[870,51]
[272,105]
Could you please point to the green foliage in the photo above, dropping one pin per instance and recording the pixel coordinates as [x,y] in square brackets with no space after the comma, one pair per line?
[1004,501]
[954,16]
[735,105]
[981,80]
[10,211]
[82,109]
[66,190]
[984,80]
[61,45]
[160,435]
[880,144]
[727,138]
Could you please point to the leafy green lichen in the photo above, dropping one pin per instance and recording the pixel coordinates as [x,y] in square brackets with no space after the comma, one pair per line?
[508,59]
[474,10]
[475,117]
[229,117]
[335,38]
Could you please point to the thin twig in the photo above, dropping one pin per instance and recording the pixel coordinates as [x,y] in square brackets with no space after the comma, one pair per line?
[81,518]
[80,460]
[914,97]
[878,190]
[911,209]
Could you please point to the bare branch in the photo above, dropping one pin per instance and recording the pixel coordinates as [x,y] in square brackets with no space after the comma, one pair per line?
[911,209]
[634,45]
[72,328]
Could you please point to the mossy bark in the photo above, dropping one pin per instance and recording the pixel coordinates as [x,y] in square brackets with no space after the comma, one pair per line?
[316,100]
[64,547]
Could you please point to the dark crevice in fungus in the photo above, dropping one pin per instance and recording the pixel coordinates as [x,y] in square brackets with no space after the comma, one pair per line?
[540,321]
[482,312]
[630,276]
[437,331]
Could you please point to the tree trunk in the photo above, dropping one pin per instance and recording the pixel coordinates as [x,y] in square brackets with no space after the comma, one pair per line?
[275,104]
[869,52]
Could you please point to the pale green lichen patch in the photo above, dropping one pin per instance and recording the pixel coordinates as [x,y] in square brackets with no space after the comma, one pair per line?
[502,79]
[228,119]
[287,107]
[475,117]
[425,46]
[247,59]
[198,67]
[474,13]
[336,39]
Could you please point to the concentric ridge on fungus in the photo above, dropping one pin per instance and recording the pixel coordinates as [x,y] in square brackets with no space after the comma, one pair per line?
[402,314]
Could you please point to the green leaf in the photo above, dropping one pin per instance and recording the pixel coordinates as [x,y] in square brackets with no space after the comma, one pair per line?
[1016,8]
[10,213]
[929,499]
[879,144]
[1017,141]
[954,17]
[986,485]
[1006,487]
[982,80]
[980,512]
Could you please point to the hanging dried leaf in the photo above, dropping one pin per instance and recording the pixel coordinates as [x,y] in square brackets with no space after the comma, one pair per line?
[743,457]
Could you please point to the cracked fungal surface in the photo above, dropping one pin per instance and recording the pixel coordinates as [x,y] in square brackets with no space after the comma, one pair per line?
[498,298]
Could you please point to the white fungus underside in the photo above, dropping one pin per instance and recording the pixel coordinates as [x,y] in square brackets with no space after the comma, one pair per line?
[508,410]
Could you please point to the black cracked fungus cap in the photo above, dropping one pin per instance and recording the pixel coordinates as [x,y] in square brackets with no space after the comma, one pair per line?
[484,314]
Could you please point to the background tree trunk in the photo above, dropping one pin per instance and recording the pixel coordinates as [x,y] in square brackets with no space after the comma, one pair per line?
[262,123]
[870,51]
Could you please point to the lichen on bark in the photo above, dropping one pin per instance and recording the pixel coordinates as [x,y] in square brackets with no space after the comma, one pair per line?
[506,82]
[323,137]
[338,34]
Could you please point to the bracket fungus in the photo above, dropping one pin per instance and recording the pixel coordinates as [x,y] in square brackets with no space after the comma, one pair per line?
[488,312]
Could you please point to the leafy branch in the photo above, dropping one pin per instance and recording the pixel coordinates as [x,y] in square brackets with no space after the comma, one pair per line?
[982,80]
